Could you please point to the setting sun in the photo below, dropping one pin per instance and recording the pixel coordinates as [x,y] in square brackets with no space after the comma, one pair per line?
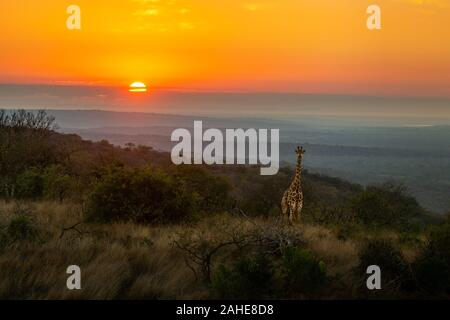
[138,87]
[266,45]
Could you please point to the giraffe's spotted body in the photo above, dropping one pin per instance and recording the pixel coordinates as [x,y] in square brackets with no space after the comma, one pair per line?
[292,202]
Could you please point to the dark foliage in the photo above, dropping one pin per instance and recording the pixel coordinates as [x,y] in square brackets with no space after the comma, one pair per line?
[432,267]
[141,195]
[250,278]
[389,258]
[387,205]
[304,274]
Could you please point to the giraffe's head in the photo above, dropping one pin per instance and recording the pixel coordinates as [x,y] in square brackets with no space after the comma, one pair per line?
[300,151]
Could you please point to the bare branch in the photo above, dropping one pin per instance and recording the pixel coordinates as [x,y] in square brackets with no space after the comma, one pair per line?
[74,227]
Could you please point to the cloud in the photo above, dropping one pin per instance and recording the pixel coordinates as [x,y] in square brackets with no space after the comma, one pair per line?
[146,1]
[437,4]
[151,8]
[147,12]
[427,7]
[186,25]
[253,6]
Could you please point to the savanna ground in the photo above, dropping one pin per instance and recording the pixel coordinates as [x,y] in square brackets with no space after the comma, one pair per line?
[133,261]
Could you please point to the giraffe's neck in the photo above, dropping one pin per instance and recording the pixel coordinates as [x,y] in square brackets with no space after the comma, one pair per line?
[298,173]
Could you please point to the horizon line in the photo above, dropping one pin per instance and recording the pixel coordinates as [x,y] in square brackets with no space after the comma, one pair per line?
[230,91]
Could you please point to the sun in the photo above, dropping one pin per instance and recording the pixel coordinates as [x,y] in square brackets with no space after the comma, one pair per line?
[137,87]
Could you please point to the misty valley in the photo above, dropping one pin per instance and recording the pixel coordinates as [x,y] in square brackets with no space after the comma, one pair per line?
[417,156]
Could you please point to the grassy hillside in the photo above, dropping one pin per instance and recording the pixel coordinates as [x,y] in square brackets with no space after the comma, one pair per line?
[140,227]
[129,260]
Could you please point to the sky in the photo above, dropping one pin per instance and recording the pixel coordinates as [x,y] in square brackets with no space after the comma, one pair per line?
[307,46]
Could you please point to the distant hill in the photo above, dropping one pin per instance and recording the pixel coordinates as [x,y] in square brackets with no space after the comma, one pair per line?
[414,154]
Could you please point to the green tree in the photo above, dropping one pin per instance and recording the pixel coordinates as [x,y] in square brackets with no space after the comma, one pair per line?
[389,258]
[303,272]
[24,142]
[57,183]
[386,205]
[250,278]
[143,195]
[212,192]
[30,184]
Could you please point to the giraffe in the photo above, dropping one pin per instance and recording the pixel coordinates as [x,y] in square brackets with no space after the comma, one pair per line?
[292,202]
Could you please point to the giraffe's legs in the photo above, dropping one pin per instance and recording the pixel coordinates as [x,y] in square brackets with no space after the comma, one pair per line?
[284,206]
[291,217]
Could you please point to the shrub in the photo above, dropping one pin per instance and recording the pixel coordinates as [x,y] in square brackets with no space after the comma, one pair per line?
[29,184]
[439,243]
[20,228]
[385,255]
[261,195]
[212,192]
[140,195]
[432,274]
[303,273]
[432,267]
[24,144]
[386,205]
[411,238]
[250,278]
[57,183]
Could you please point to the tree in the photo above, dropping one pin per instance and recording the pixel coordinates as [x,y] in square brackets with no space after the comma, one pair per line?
[24,143]
[57,183]
[386,204]
[30,184]
[142,195]
[212,192]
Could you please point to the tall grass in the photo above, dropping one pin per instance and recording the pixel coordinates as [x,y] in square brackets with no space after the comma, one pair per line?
[126,260]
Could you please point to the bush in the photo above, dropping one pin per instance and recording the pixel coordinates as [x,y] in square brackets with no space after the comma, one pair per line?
[432,274]
[57,183]
[24,143]
[386,205]
[261,195]
[385,255]
[439,243]
[29,184]
[303,273]
[432,267]
[139,195]
[212,192]
[51,182]
[250,278]
[20,228]
[410,238]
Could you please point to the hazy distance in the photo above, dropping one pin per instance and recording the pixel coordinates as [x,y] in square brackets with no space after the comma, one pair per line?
[373,110]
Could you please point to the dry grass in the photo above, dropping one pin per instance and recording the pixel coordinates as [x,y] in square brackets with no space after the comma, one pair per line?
[117,261]
[340,256]
[129,261]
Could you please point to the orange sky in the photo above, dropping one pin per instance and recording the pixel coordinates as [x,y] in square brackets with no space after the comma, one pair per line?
[233,45]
